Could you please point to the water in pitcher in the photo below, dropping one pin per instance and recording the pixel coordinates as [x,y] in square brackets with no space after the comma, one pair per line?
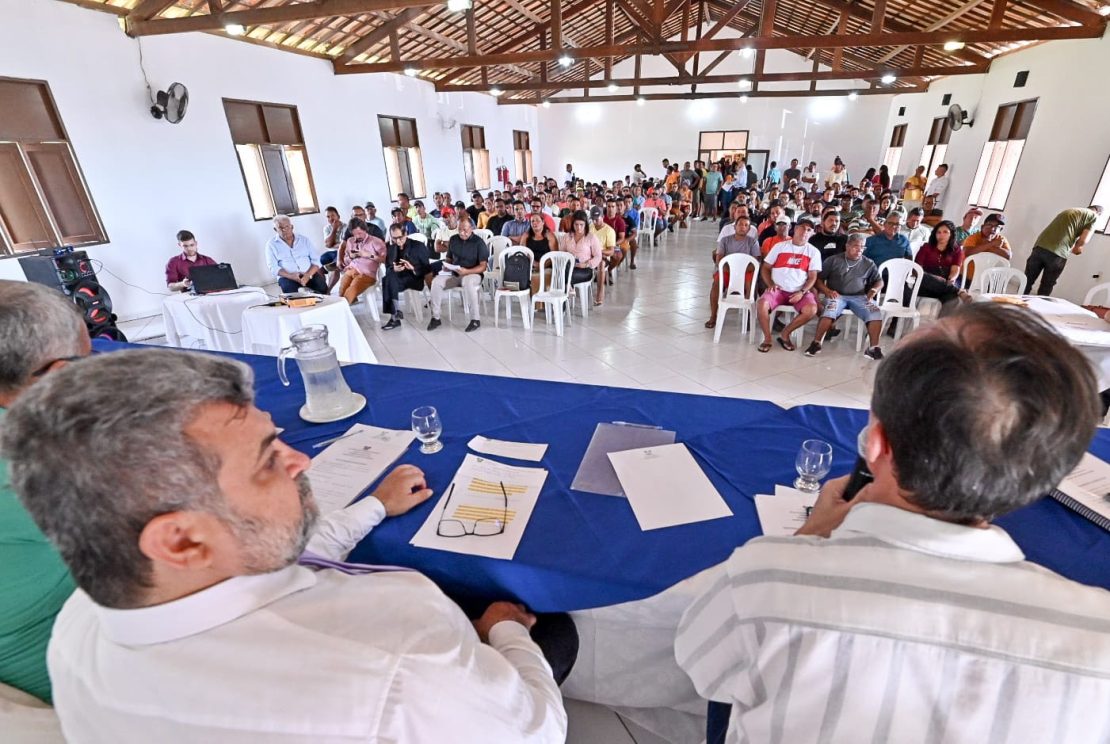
[326,392]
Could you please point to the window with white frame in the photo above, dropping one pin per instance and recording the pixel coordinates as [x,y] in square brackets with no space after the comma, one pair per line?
[404,167]
[999,162]
[475,157]
[1102,198]
[894,150]
[937,146]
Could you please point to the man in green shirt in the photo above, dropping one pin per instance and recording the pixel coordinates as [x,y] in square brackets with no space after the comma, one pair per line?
[1068,232]
[40,330]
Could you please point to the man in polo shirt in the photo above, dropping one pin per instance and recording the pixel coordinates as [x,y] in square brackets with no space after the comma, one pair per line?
[903,615]
[1065,236]
[889,243]
[178,267]
[789,271]
[850,281]
[740,240]
[518,225]
[293,260]
[463,265]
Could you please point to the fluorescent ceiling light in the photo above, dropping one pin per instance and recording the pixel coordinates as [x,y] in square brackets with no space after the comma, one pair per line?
[613,88]
[887,79]
[641,101]
[953,46]
[744,84]
[457,6]
[235,29]
[546,104]
[747,52]
[853,96]
[566,61]
[411,71]
[495,91]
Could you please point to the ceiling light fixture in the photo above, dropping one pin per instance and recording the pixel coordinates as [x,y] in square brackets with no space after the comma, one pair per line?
[495,91]
[613,88]
[458,6]
[566,61]
[1104,10]
[546,104]
[411,71]
[747,52]
[235,29]
[744,98]
[744,84]
[953,46]
[853,96]
[887,79]
[641,101]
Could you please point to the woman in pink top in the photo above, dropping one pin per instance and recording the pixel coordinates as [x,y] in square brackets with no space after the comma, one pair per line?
[584,246]
[359,259]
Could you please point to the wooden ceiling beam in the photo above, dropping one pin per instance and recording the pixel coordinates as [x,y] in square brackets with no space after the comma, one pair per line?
[877,16]
[262,16]
[1072,11]
[998,14]
[706,79]
[382,32]
[147,9]
[722,94]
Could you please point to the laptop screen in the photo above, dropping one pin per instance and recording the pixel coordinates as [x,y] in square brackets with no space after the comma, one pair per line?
[218,278]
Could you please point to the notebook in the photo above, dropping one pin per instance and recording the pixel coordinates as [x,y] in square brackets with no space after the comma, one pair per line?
[1086,490]
[208,279]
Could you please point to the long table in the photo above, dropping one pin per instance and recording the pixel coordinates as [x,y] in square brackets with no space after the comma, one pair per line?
[585,550]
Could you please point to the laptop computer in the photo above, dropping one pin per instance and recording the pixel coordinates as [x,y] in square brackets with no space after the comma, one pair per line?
[208,279]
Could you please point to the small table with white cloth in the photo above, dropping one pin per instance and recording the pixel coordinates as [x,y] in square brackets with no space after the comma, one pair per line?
[266,329]
[1085,330]
[215,319]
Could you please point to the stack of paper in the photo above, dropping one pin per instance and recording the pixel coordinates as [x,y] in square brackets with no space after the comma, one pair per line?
[501,448]
[1086,490]
[782,514]
[350,464]
[665,487]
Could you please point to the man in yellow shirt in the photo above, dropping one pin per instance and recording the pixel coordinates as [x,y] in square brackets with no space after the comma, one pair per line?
[607,239]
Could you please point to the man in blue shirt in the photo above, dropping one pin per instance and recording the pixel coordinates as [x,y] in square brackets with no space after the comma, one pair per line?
[293,260]
[632,222]
[889,243]
[517,226]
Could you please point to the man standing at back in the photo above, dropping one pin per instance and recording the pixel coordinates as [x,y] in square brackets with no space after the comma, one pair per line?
[193,611]
[1065,236]
[903,615]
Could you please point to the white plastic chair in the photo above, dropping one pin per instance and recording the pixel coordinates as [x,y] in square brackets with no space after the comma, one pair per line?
[1094,292]
[484,234]
[497,245]
[897,274]
[997,280]
[419,236]
[648,217]
[976,265]
[583,292]
[556,296]
[733,296]
[24,718]
[521,295]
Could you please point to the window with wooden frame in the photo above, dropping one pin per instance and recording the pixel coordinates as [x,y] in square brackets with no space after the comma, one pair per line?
[475,157]
[999,162]
[1102,198]
[522,151]
[894,149]
[272,157]
[937,146]
[404,167]
[44,200]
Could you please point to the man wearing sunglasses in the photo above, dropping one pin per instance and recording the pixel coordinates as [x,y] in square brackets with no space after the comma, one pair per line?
[40,331]
[407,263]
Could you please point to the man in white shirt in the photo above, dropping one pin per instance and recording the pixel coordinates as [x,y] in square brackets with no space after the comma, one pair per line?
[903,615]
[915,232]
[193,621]
[938,186]
[293,260]
[789,271]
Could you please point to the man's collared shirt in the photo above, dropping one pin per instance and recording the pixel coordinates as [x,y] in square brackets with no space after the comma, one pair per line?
[880,248]
[295,259]
[178,267]
[298,655]
[514,228]
[900,628]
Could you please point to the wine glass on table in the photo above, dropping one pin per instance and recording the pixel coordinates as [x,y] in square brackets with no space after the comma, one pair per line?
[428,427]
[814,461]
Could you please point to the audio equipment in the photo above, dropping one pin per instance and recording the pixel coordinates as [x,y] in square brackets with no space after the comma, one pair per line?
[71,272]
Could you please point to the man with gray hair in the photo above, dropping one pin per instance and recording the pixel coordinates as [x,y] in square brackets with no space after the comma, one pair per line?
[850,281]
[40,332]
[192,609]
[293,260]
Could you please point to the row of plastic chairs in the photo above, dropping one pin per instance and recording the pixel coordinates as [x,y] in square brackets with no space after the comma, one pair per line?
[557,293]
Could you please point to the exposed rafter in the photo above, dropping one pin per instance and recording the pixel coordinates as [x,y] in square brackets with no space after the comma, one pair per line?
[722,94]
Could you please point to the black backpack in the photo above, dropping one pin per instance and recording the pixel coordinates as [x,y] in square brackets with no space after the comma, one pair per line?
[517,274]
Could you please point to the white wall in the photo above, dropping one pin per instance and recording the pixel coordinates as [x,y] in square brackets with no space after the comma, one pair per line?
[1063,157]
[150,179]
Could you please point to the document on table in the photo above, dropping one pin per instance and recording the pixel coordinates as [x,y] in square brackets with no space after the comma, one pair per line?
[475,493]
[782,514]
[514,450]
[666,487]
[595,473]
[1086,490]
[350,464]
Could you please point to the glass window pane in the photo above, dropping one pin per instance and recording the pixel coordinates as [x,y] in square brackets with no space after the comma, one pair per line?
[980,173]
[302,184]
[1102,198]
[938,155]
[259,192]
[481,169]
[277,176]
[416,164]
[712,140]
[736,141]
[893,155]
[1006,173]
[468,169]
[393,172]
[926,158]
[998,149]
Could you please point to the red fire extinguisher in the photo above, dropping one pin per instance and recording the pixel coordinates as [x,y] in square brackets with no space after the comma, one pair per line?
[503,175]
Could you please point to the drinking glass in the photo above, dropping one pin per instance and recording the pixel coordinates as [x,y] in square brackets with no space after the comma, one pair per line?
[428,427]
[813,463]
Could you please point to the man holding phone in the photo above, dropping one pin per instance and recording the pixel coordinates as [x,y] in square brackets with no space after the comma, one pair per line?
[407,261]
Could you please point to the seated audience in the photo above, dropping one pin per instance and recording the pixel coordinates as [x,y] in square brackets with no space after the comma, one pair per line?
[333,239]
[828,238]
[516,226]
[781,228]
[614,219]
[632,221]
[446,231]
[178,267]
[425,223]
[850,281]
[904,615]
[989,239]
[739,241]
[401,217]
[539,208]
[293,260]
[942,258]
[915,232]
[477,208]
[574,204]
[192,608]
[969,225]
[789,271]
[407,263]
[607,239]
[42,332]
[359,259]
[468,256]
[375,223]
[889,243]
[584,246]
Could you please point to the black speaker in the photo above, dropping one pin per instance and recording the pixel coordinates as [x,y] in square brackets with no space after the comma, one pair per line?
[947,99]
[1020,78]
[71,273]
[901,110]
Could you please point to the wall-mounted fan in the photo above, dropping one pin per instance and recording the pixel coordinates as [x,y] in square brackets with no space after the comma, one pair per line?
[171,104]
[957,117]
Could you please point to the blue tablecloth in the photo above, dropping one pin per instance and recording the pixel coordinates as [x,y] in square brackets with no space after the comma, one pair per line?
[585,550]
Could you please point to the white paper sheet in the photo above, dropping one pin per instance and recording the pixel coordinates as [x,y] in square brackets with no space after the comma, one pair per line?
[1089,484]
[666,487]
[349,465]
[782,514]
[475,493]
[514,450]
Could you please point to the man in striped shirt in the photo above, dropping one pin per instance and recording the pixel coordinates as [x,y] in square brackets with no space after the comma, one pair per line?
[903,615]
